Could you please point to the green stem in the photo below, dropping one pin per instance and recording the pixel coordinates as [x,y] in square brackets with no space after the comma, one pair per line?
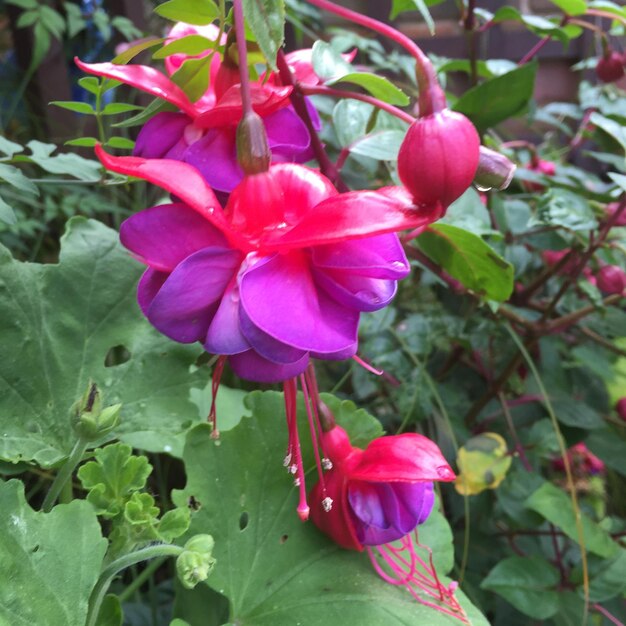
[108,574]
[64,474]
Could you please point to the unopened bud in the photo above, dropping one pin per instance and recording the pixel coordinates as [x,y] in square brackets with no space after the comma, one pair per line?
[90,420]
[253,151]
[620,407]
[611,279]
[495,171]
[610,67]
[196,562]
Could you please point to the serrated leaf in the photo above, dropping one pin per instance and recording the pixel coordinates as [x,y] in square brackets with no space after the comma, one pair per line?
[270,565]
[49,562]
[266,20]
[469,259]
[198,12]
[15,178]
[58,322]
[191,45]
[76,107]
[113,477]
[555,506]
[528,583]
[498,99]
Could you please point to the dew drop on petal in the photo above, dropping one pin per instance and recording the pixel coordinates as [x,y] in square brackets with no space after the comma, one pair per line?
[445,473]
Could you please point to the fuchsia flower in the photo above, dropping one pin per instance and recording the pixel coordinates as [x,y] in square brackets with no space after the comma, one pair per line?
[582,461]
[610,67]
[202,133]
[371,498]
[611,279]
[279,275]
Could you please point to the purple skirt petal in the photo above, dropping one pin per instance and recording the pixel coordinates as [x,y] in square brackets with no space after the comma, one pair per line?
[149,284]
[224,335]
[381,256]
[356,292]
[160,134]
[251,366]
[186,303]
[281,299]
[165,235]
[287,134]
[215,157]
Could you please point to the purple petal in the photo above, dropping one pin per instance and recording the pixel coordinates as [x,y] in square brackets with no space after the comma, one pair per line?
[165,235]
[224,335]
[252,366]
[188,300]
[315,116]
[160,134]
[287,134]
[281,299]
[381,256]
[215,157]
[356,292]
[149,284]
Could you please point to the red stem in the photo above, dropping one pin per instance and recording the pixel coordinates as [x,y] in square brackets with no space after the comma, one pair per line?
[431,96]
[535,49]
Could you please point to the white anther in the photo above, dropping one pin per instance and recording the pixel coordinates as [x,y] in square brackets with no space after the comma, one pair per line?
[327,464]
[293,469]
[287,460]
[327,504]
[296,482]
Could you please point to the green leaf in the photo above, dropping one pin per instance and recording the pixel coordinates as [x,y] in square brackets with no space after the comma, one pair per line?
[193,77]
[266,20]
[121,143]
[382,145]
[49,562]
[555,506]
[129,54]
[58,322]
[230,404]
[9,147]
[15,178]
[618,179]
[82,142]
[77,107]
[528,583]
[560,207]
[52,20]
[498,99]
[192,45]
[198,12]
[399,6]
[24,4]
[70,164]
[350,118]
[126,27]
[612,128]
[469,259]
[608,578]
[379,86]
[273,568]
[75,20]
[113,477]
[110,612]
[469,213]
[571,7]
[115,108]
[608,445]
[28,18]
[574,412]
[7,214]
[174,524]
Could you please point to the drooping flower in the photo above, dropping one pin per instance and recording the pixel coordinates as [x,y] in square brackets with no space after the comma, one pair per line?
[439,157]
[375,499]
[610,67]
[279,276]
[202,133]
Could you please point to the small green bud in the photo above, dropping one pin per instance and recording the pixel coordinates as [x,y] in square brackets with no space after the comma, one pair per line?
[90,420]
[196,562]
[253,151]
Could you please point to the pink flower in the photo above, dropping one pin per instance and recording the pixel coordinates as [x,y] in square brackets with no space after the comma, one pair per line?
[547,168]
[279,275]
[611,279]
[582,460]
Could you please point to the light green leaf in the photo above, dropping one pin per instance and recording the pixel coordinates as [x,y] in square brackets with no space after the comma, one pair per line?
[192,45]
[15,178]
[58,322]
[193,77]
[555,506]
[571,7]
[270,565]
[121,143]
[350,118]
[9,147]
[7,214]
[76,107]
[528,583]
[82,142]
[115,108]
[379,86]
[498,99]
[560,207]
[70,164]
[469,259]
[49,562]
[382,145]
[198,12]
[110,612]
[266,20]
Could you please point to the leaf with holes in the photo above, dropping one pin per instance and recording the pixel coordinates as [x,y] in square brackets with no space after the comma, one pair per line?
[60,325]
[49,562]
[273,568]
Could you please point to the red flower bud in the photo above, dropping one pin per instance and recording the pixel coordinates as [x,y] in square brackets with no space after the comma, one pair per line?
[620,407]
[438,158]
[611,279]
[610,67]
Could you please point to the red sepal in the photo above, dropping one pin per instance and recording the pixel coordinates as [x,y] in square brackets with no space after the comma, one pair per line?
[145,78]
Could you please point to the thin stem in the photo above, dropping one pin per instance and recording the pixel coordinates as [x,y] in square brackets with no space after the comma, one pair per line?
[64,474]
[108,574]
[469,25]
[431,96]
[518,444]
[609,616]
[606,14]
[537,47]
[321,90]
[570,318]
[609,345]
[242,53]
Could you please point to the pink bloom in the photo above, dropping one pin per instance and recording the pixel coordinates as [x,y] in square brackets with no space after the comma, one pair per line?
[547,168]
[279,275]
[611,279]
[582,460]
[553,257]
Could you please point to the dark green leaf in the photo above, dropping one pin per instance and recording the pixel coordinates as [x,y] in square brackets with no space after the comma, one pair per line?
[528,583]
[469,259]
[198,12]
[266,20]
[7,214]
[110,612]
[498,99]
[115,108]
[609,445]
[15,178]
[379,86]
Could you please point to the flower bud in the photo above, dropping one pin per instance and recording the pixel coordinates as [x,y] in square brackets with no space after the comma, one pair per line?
[611,209]
[495,171]
[620,407]
[90,420]
[611,279]
[439,157]
[196,562]
[610,67]
[253,151]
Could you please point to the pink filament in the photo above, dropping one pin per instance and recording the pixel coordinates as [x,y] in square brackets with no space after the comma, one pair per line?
[367,366]
[310,417]
[315,400]
[215,385]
